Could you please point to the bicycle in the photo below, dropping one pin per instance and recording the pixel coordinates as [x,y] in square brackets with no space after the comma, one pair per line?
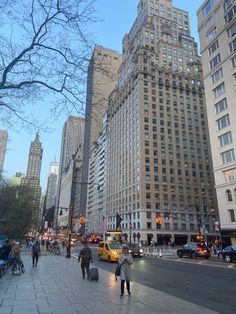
[17,267]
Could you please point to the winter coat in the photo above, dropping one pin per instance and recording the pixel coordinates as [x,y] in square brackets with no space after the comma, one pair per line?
[36,248]
[125,270]
[16,252]
[85,255]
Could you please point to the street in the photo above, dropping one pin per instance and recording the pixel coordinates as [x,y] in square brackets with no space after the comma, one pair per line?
[209,283]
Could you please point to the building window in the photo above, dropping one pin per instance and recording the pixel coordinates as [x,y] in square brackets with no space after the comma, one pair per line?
[149,225]
[231,31]
[211,34]
[223,122]
[229,16]
[217,75]
[229,196]
[191,227]
[175,225]
[225,139]
[221,105]
[210,22]
[227,4]
[167,226]
[228,156]
[233,61]
[219,90]
[149,215]
[232,215]
[232,45]
[215,61]
[208,7]
[183,227]
[213,47]
[230,175]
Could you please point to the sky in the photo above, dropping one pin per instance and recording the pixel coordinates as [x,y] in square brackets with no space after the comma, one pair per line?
[117,17]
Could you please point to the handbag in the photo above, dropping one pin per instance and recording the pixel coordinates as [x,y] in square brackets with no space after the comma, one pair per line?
[117,271]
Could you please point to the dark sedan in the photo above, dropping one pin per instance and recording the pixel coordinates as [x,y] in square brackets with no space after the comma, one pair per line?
[135,250]
[228,254]
[194,250]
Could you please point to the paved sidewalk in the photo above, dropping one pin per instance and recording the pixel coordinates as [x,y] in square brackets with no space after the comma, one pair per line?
[55,286]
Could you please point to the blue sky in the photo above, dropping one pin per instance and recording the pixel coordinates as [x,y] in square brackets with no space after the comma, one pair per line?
[118,17]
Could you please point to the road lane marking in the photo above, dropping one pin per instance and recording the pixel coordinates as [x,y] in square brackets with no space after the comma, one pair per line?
[203,263]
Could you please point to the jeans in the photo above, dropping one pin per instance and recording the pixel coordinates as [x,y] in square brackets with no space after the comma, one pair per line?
[85,266]
[122,287]
[35,258]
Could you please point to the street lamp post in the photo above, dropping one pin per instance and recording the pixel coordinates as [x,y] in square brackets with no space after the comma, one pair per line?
[68,247]
[205,217]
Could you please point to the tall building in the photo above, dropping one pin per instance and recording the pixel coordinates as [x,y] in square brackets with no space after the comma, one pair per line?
[52,185]
[71,144]
[3,147]
[102,79]
[217,30]
[159,169]
[95,212]
[32,179]
[50,197]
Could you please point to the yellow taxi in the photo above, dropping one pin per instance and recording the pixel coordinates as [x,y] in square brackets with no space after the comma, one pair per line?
[109,251]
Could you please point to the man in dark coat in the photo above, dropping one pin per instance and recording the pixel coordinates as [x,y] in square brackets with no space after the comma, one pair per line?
[35,253]
[86,258]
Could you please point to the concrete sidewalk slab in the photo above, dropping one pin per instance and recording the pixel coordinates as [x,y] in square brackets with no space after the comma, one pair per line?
[56,287]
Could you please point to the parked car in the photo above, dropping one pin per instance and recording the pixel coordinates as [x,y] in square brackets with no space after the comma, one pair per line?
[194,250]
[135,249]
[3,239]
[228,254]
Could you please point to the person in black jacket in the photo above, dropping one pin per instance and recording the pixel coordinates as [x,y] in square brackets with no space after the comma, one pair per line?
[35,253]
[86,258]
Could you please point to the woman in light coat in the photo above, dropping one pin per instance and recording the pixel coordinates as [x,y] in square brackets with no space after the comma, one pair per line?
[125,263]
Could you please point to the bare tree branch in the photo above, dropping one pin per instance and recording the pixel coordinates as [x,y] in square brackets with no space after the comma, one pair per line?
[50,50]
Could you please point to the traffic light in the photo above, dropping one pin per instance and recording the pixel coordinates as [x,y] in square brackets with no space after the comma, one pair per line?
[158,219]
[200,237]
[82,219]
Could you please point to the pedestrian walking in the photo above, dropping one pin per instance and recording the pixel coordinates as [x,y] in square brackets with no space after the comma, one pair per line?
[35,253]
[63,244]
[125,262]
[43,243]
[86,258]
[47,245]
[27,242]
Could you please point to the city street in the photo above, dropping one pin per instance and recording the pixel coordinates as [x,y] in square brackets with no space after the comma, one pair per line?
[209,283]
[55,286]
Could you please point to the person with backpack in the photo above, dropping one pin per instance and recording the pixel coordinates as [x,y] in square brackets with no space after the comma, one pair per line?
[35,253]
[86,258]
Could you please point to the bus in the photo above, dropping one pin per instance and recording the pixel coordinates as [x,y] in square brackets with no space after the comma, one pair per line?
[113,236]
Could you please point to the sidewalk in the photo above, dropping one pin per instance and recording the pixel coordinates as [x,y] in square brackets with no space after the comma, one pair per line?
[55,286]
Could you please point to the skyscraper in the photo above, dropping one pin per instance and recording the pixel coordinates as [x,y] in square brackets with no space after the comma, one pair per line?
[95,212]
[159,169]
[217,30]
[32,179]
[50,197]
[71,144]
[3,146]
[102,79]
[52,184]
